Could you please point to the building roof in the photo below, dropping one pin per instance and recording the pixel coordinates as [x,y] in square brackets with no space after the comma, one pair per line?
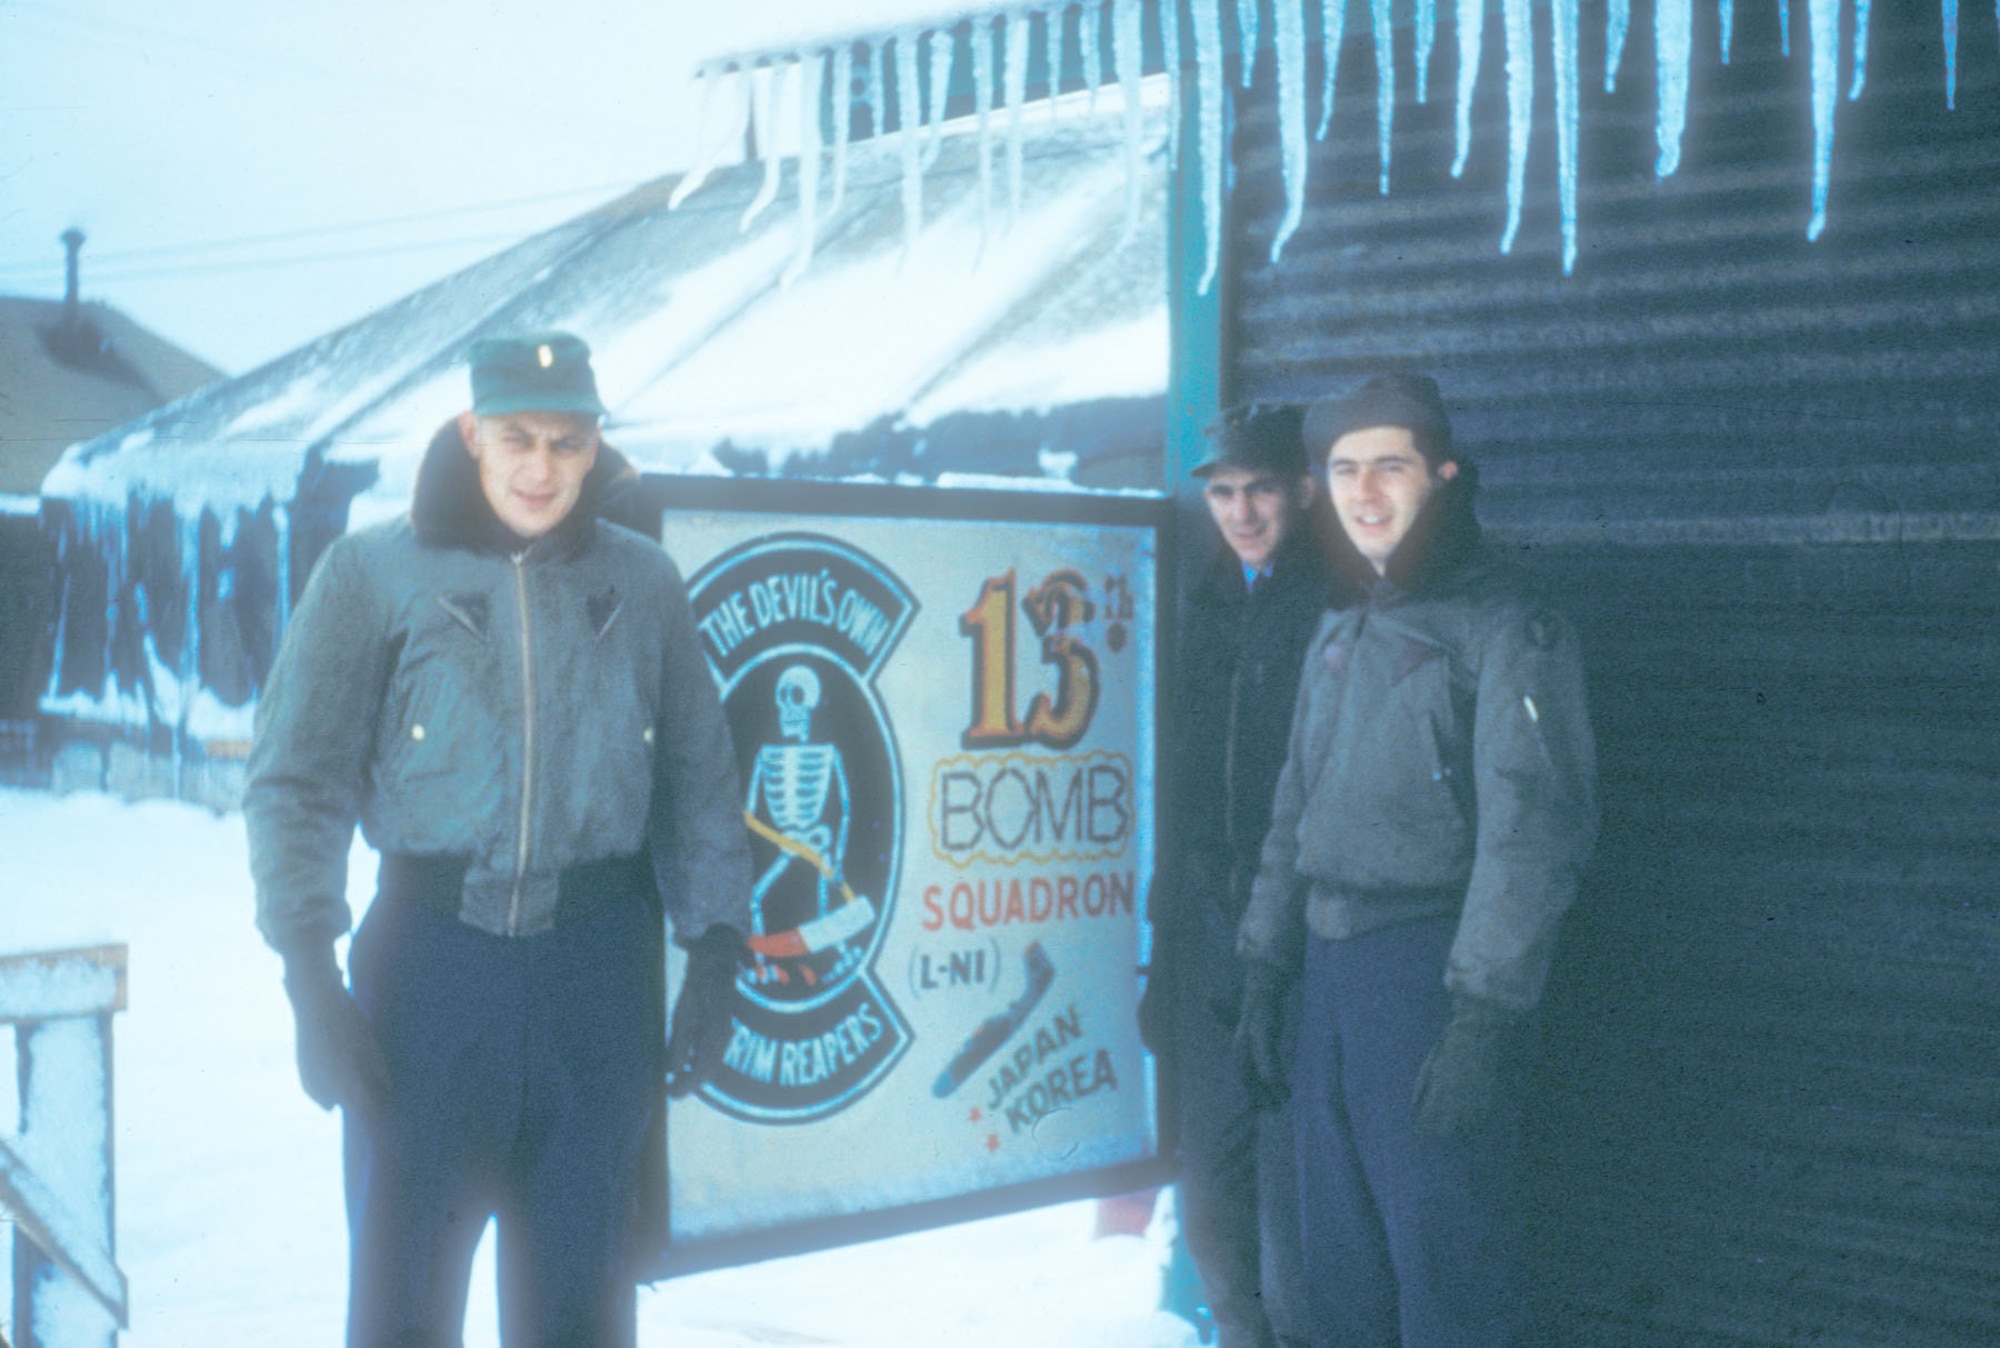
[715,354]
[68,378]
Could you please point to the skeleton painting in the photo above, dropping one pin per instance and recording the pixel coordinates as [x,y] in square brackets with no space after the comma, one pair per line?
[799,786]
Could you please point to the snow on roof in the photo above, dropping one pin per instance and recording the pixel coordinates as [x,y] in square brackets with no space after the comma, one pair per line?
[700,341]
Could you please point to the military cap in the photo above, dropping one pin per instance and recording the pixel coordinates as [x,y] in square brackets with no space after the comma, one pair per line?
[1411,401]
[1261,437]
[535,372]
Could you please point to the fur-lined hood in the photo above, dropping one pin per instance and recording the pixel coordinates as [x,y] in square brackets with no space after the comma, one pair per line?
[448,509]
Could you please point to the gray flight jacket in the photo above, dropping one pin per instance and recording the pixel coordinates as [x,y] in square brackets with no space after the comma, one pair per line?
[526,708]
[1441,761]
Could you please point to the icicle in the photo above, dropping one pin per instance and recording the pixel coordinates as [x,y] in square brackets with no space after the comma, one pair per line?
[1562,40]
[908,137]
[1519,21]
[708,80]
[943,46]
[1017,97]
[1673,30]
[1784,28]
[281,526]
[1332,31]
[1427,28]
[1290,33]
[1170,51]
[1725,14]
[1471,33]
[1385,83]
[712,137]
[763,128]
[1127,57]
[190,670]
[1823,31]
[812,79]
[1207,20]
[1860,49]
[1951,54]
[1617,20]
[1246,30]
[843,120]
[982,106]
[1090,46]
[1052,51]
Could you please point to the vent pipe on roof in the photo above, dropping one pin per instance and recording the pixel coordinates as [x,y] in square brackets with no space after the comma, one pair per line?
[72,242]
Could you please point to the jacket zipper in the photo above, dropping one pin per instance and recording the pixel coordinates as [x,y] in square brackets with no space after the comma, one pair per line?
[527,743]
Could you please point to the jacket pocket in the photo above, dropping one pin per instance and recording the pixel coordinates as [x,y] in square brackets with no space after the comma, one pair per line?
[404,738]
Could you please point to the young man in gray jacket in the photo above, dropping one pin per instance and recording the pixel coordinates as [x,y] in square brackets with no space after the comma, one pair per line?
[503,689]
[1435,811]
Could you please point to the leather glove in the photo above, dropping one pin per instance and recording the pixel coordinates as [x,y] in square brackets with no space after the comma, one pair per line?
[1259,1042]
[1463,1079]
[702,1013]
[340,1062]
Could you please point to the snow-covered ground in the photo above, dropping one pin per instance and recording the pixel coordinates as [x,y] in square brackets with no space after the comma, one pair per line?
[228,1182]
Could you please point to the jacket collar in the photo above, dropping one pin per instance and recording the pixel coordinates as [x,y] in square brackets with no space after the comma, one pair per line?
[1442,539]
[448,509]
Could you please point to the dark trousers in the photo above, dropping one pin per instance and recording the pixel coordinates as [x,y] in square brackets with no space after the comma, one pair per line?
[1409,1240]
[1239,1195]
[524,1074]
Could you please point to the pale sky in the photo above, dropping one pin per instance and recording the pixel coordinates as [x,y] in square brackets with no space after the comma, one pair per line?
[252,174]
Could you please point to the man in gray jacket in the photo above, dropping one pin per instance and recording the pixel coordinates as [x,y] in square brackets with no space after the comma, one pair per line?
[1435,811]
[503,689]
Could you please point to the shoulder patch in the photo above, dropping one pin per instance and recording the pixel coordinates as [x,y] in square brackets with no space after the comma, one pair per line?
[1544,629]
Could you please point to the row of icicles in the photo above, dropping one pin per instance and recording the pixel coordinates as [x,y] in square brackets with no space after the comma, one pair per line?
[770,88]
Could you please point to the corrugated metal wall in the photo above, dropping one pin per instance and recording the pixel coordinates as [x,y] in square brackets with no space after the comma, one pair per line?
[1765,474]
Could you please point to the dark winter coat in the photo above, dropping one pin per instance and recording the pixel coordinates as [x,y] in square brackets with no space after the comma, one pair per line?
[525,708]
[1441,762]
[1239,671]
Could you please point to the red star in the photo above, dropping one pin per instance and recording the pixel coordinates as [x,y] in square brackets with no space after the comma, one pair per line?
[975,1116]
[993,1142]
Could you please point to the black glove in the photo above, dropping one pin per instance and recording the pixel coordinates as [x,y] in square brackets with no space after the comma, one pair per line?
[1260,1028]
[703,1012]
[1463,1079]
[340,1062]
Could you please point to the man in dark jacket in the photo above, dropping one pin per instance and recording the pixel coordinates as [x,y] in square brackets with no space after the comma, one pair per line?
[1435,811]
[504,690]
[1244,631]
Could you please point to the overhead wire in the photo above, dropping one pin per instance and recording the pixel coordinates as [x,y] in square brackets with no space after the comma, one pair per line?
[113,259]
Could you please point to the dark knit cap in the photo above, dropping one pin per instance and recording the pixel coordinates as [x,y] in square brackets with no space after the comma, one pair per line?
[1262,437]
[1410,401]
[536,372]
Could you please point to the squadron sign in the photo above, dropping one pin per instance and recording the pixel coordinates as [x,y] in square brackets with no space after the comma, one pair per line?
[796,628]
[945,733]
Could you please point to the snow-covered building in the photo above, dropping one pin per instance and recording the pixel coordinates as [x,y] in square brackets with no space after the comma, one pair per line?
[1019,335]
[70,369]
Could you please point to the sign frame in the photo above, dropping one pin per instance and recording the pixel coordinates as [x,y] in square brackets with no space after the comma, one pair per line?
[659,498]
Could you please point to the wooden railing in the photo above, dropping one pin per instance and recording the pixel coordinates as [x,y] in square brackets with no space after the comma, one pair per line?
[56,1171]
